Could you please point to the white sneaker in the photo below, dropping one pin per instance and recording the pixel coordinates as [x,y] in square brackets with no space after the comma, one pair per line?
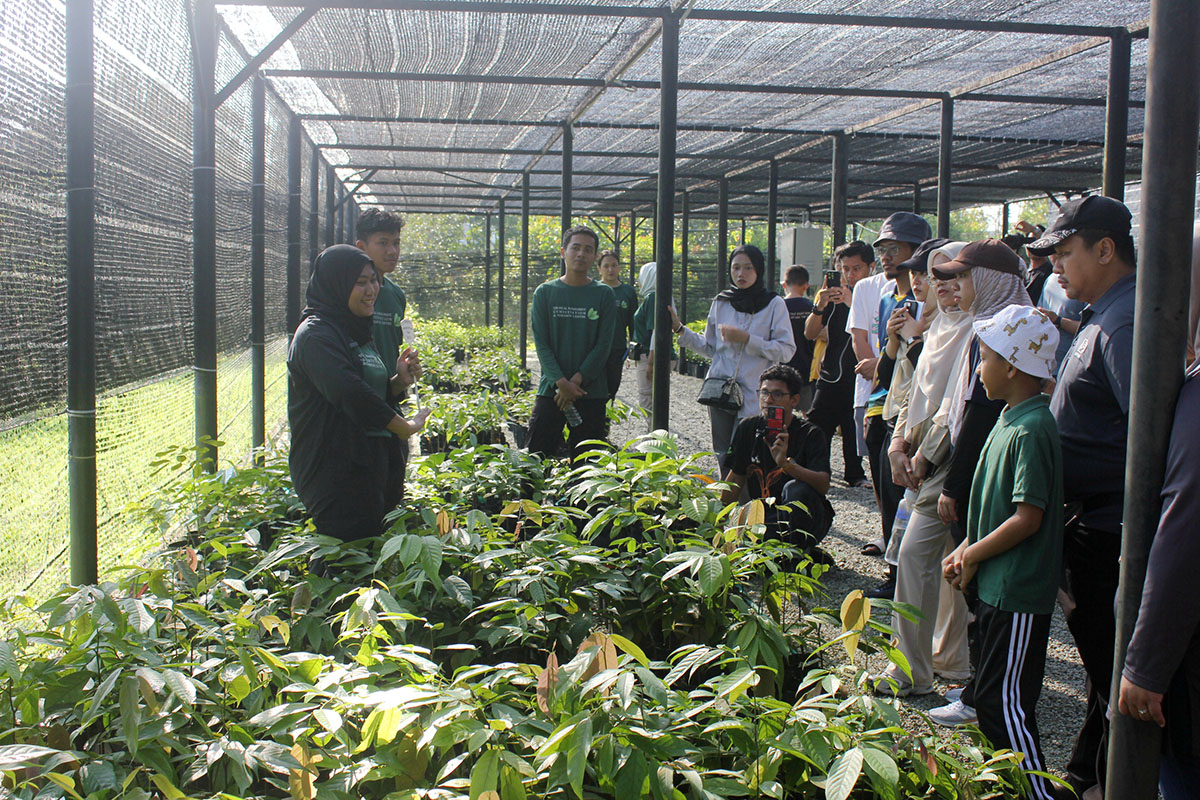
[954,715]
[953,695]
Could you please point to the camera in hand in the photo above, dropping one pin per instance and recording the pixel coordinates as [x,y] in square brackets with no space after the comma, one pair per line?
[913,307]
[773,424]
[833,278]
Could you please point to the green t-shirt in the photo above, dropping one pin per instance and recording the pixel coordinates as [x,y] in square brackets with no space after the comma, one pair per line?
[573,332]
[1020,463]
[375,374]
[643,323]
[627,303]
[385,330]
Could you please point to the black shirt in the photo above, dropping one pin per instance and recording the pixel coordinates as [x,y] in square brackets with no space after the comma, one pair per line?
[979,417]
[798,309]
[749,454]
[836,378]
[1091,406]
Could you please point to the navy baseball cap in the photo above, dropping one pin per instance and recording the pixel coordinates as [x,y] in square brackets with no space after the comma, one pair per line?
[1095,212]
[904,226]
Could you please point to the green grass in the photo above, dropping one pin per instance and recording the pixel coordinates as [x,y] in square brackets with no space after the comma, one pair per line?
[132,425]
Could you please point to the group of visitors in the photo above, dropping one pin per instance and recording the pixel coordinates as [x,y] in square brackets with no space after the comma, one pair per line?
[990,397]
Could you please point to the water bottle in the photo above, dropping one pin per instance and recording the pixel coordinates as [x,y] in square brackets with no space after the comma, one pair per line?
[903,513]
[572,415]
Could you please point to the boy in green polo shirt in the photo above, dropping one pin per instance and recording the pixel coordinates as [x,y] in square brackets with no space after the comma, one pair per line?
[378,235]
[572,320]
[1013,549]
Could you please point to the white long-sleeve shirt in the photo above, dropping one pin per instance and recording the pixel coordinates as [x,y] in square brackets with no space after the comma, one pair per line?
[770,342]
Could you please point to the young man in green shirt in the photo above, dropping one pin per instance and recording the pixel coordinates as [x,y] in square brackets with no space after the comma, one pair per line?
[1013,549]
[378,235]
[573,319]
[627,302]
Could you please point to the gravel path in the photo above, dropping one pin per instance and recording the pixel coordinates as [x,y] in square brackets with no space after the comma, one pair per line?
[1061,707]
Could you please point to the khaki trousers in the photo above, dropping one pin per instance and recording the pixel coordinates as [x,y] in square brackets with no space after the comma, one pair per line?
[938,642]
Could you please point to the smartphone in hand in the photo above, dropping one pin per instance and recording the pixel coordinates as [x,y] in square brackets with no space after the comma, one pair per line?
[833,278]
[774,427]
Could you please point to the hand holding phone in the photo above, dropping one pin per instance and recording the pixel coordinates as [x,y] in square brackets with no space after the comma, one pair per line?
[774,427]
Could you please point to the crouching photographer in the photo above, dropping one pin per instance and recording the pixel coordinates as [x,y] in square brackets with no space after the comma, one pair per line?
[780,455]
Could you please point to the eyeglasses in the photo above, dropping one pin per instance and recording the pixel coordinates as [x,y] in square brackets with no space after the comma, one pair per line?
[887,249]
[768,394]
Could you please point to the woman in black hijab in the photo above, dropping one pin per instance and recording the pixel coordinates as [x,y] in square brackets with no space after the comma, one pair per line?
[749,329]
[340,399]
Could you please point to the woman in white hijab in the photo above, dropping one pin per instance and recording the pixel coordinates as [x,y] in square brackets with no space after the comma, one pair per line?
[978,280]
[917,446]
[643,335]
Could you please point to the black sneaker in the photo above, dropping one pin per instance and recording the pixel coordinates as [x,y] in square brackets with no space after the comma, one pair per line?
[884,591]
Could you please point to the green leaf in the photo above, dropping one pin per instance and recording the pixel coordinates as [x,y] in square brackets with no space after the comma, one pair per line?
[181,686]
[511,786]
[131,718]
[881,765]
[239,688]
[632,776]
[486,774]
[64,782]
[629,647]
[13,756]
[714,573]
[329,719]
[577,755]
[459,590]
[274,757]
[734,685]
[844,774]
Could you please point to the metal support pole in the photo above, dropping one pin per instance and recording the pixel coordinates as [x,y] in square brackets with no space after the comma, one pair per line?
[525,270]
[685,223]
[81,289]
[487,270]
[1160,325]
[1116,116]
[341,213]
[654,228]
[258,260]
[616,236]
[916,197]
[772,276]
[633,267]
[722,233]
[1004,211]
[743,239]
[330,204]
[204,229]
[945,152]
[568,147]
[293,225]
[500,267]
[314,209]
[840,188]
[664,235]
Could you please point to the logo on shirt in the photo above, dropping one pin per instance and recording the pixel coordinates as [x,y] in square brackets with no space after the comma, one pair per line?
[593,314]
[396,320]
[624,304]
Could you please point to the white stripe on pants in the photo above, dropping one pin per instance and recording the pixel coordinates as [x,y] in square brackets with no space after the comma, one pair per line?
[919,582]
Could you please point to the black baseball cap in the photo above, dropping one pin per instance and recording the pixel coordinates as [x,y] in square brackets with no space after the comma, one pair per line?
[919,262]
[1095,212]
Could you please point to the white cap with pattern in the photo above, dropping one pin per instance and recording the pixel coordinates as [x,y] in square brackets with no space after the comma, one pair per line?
[1023,337]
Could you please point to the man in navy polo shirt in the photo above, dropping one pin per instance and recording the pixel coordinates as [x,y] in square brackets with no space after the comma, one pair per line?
[1094,250]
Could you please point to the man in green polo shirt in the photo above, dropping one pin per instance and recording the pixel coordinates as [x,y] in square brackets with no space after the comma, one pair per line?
[573,318]
[378,235]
